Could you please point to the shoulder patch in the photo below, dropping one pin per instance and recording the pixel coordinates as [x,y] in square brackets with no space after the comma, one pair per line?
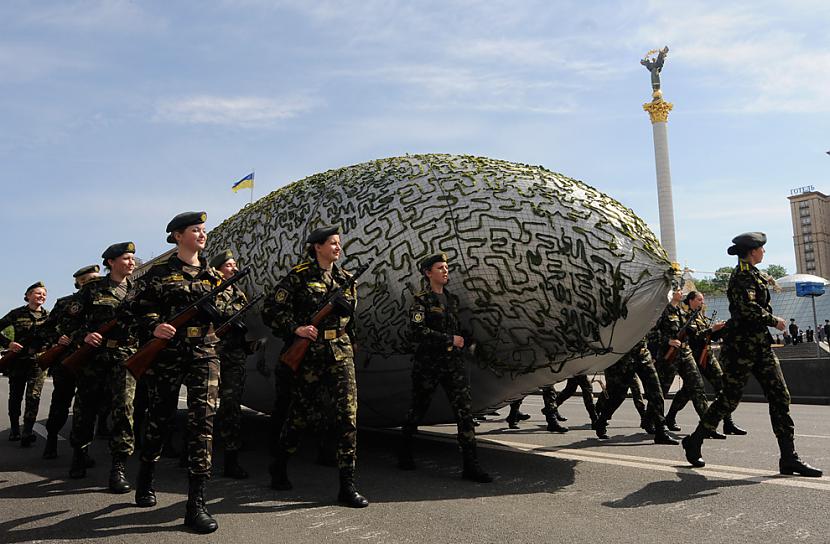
[417,316]
[281,295]
[74,308]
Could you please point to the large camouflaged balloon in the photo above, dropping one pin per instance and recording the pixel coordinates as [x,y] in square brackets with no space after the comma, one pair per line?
[555,278]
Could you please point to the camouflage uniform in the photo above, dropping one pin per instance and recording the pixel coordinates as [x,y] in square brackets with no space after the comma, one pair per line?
[746,349]
[584,384]
[232,354]
[699,330]
[190,358]
[104,376]
[618,379]
[328,367]
[25,376]
[684,363]
[433,325]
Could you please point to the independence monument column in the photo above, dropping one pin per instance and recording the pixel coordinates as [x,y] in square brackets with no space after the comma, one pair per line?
[658,110]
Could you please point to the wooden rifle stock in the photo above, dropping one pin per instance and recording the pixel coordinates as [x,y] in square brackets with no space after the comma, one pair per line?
[295,354]
[48,357]
[703,360]
[7,359]
[79,357]
[682,335]
[225,327]
[139,362]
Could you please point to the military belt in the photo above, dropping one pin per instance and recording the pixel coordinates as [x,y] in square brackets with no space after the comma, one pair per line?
[330,334]
[197,334]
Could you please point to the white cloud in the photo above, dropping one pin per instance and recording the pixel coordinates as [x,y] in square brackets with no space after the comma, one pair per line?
[244,111]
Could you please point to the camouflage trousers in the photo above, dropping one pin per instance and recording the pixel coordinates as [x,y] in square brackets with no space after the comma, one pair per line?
[26,379]
[713,374]
[637,397]
[321,380]
[200,375]
[231,387]
[738,362]
[451,374]
[63,391]
[584,384]
[685,365]
[105,379]
[618,380]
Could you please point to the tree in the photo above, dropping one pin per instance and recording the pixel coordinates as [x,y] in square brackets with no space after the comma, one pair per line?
[776,271]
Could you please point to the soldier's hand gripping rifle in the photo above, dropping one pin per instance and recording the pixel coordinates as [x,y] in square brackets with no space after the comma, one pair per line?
[233,321]
[682,335]
[703,360]
[141,360]
[81,355]
[45,359]
[294,355]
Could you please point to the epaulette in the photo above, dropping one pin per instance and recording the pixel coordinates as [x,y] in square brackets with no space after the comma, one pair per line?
[301,267]
[421,293]
[744,266]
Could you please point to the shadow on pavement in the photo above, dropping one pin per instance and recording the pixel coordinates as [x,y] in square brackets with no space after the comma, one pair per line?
[688,486]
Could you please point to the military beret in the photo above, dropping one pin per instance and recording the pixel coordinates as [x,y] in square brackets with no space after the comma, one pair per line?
[116,250]
[320,235]
[427,262]
[35,286]
[747,240]
[221,258]
[184,220]
[87,269]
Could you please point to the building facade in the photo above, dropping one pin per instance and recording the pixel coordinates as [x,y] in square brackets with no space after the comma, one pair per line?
[811,232]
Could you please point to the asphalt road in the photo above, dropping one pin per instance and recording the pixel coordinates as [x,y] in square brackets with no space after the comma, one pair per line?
[548,488]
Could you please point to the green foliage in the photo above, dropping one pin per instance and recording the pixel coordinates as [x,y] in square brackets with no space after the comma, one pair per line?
[8,332]
[718,284]
[776,271]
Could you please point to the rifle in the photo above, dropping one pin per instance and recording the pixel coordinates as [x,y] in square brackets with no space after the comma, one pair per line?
[671,353]
[295,353]
[75,361]
[45,359]
[141,360]
[225,327]
[7,358]
[704,352]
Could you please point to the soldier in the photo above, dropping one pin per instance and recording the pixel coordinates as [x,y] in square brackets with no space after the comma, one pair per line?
[587,390]
[57,330]
[433,320]
[104,376]
[233,352]
[746,349]
[515,415]
[670,325]
[25,376]
[170,286]
[701,332]
[328,366]
[551,411]
[618,379]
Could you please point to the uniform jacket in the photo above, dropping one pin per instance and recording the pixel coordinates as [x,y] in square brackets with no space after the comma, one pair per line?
[25,323]
[749,302]
[99,301]
[433,325]
[61,321]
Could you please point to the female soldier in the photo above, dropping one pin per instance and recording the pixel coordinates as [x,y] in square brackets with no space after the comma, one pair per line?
[746,349]
[24,374]
[168,287]
[329,363]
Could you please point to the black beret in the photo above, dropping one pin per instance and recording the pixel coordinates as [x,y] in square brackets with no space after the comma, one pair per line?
[35,286]
[747,240]
[427,262]
[320,235]
[116,250]
[184,220]
[86,270]
[221,258]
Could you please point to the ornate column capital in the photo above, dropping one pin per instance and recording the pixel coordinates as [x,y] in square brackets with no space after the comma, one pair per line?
[658,110]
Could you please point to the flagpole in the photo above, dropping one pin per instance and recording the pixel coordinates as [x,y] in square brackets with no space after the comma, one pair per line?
[253,180]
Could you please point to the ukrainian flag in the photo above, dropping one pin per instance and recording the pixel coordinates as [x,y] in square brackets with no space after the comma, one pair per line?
[245,183]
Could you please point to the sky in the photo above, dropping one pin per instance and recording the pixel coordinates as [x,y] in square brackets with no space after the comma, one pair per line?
[117,115]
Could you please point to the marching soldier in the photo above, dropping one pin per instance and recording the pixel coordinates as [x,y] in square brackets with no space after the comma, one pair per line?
[328,365]
[25,376]
[233,352]
[584,384]
[58,330]
[746,349]
[433,320]
[190,358]
[551,411]
[104,377]
[701,332]
[618,378]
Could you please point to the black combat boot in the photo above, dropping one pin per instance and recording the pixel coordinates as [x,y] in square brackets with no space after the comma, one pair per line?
[118,478]
[522,416]
[647,426]
[348,495]
[790,463]
[557,415]
[692,445]
[716,435]
[513,417]
[601,427]
[28,437]
[662,437]
[196,516]
[78,467]
[729,427]
[405,459]
[145,495]
[14,433]
[472,470]
[671,424]
[232,468]
[553,423]
[279,473]
[51,449]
